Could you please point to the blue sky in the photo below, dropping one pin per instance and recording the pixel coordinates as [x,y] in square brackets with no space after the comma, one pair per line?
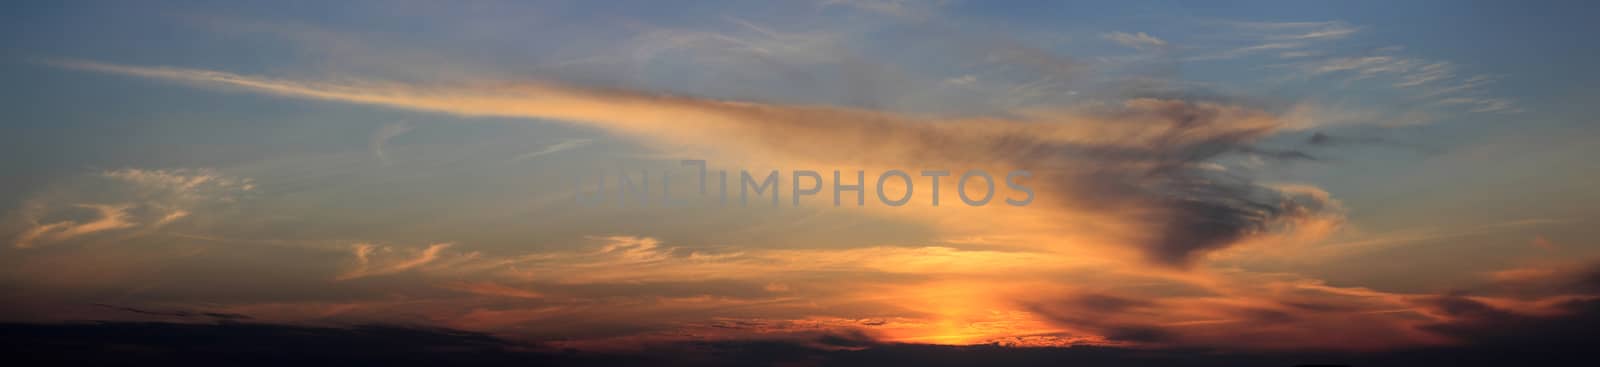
[1418,148]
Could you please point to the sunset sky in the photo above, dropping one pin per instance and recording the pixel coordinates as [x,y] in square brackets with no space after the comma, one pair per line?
[1354,176]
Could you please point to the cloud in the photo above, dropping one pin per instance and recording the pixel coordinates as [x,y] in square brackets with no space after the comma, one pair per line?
[1375,241]
[184,183]
[1227,40]
[1122,188]
[1251,311]
[1433,79]
[1319,49]
[108,217]
[382,136]
[375,260]
[1322,49]
[1482,104]
[405,346]
[121,199]
[1519,275]
[1477,322]
[1365,65]
[1135,40]
[914,9]
[182,314]
[962,80]
[1543,243]
[553,148]
[1321,139]
[1327,30]
[1426,74]
[1542,280]
[1335,31]
[1464,86]
[623,259]
[1135,203]
[1132,164]
[494,289]
[1245,51]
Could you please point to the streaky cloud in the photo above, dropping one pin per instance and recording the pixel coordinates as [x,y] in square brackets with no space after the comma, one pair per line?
[1132,164]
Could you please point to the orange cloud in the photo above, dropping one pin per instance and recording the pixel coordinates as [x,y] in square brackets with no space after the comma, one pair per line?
[1120,187]
[374,260]
[1128,175]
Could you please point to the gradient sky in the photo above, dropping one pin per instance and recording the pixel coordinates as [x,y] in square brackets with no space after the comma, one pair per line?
[1237,174]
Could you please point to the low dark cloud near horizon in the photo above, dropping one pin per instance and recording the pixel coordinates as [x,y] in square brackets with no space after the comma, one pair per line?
[1485,335]
[1494,339]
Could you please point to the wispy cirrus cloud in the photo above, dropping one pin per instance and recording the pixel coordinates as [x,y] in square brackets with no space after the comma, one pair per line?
[1425,79]
[554,148]
[381,138]
[1284,39]
[107,217]
[121,199]
[1483,104]
[1138,40]
[1246,50]
[914,9]
[1332,30]
[1426,74]
[1322,30]
[1334,49]
[375,260]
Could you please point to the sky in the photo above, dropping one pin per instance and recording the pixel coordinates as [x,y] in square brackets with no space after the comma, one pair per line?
[1350,176]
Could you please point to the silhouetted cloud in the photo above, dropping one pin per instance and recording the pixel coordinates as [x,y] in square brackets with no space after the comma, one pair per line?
[219,316]
[1555,341]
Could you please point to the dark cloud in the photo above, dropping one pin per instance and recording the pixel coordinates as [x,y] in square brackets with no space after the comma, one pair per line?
[1588,279]
[1278,154]
[1553,280]
[1101,314]
[1460,306]
[219,316]
[1564,333]
[1185,210]
[1319,306]
[1203,213]
[136,344]
[110,343]
[1104,303]
[1137,333]
[848,339]
[1478,323]
[1326,140]
[1267,316]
